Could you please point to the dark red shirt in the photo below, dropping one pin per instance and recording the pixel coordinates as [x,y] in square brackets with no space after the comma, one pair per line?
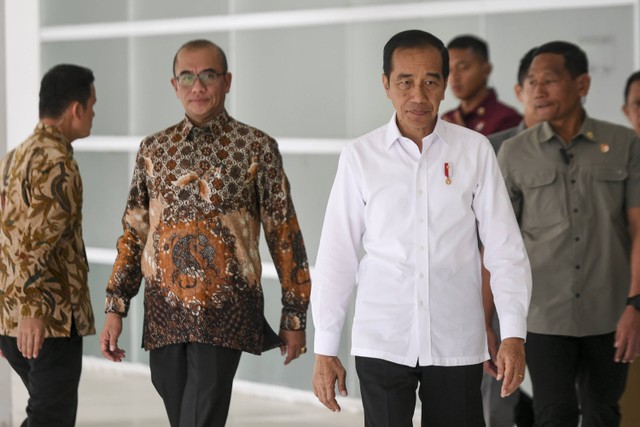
[490,116]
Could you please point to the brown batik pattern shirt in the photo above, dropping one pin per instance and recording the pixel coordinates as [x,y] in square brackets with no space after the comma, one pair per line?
[43,266]
[192,230]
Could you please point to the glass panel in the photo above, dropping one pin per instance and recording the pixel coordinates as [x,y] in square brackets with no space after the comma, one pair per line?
[154,9]
[255,6]
[105,180]
[109,62]
[72,12]
[292,82]
[389,2]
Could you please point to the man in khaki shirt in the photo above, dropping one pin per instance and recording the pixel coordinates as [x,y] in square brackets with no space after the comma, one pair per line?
[574,183]
[44,297]
[629,407]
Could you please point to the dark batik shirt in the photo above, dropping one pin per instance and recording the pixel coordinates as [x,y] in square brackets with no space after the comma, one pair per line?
[192,229]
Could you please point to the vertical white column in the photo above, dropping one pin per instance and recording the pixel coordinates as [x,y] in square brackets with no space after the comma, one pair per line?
[22,68]
[19,84]
[5,394]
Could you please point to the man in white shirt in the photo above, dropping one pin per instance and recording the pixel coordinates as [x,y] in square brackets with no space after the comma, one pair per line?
[410,194]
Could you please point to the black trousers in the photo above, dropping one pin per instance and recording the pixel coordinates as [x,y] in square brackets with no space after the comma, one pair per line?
[51,379]
[573,376]
[450,396]
[195,382]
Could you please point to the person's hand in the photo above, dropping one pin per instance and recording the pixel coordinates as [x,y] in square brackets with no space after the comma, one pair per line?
[327,371]
[30,337]
[490,366]
[109,338]
[627,342]
[2,354]
[294,344]
[511,365]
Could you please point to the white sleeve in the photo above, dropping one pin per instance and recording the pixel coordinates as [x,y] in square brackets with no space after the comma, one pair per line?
[336,266]
[505,255]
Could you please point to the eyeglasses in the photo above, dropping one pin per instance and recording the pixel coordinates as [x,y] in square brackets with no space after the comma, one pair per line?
[206,77]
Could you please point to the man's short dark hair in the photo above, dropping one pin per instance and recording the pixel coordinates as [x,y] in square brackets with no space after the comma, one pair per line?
[63,85]
[632,79]
[467,41]
[575,60]
[201,44]
[412,39]
[525,64]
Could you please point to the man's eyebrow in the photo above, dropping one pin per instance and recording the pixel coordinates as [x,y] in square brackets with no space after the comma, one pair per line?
[403,76]
[435,75]
[191,72]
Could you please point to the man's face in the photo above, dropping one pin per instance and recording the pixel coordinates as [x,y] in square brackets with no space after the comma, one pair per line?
[416,88]
[469,73]
[201,102]
[632,106]
[556,94]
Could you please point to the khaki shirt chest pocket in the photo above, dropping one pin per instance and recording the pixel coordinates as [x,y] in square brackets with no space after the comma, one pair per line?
[609,187]
[543,199]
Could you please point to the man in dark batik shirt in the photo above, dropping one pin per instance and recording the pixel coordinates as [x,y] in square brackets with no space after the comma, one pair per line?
[200,191]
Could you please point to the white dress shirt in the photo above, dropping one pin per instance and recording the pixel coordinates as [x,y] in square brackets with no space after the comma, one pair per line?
[419,298]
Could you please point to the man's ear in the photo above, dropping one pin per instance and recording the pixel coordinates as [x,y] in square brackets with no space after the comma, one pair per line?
[518,90]
[76,110]
[584,82]
[487,68]
[227,82]
[385,84]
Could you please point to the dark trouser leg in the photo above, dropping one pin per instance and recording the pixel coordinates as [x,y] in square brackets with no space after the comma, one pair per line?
[388,392]
[195,382]
[553,363]
[51,379]
[601,381]
[169,376]
[451,396]
[499,411]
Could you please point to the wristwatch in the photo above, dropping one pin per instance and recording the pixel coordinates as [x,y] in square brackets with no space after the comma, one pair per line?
[634,301]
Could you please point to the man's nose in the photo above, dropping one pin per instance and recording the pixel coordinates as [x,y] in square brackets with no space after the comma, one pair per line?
[198,85]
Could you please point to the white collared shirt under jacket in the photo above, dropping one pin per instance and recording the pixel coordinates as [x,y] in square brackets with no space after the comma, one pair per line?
[419,297]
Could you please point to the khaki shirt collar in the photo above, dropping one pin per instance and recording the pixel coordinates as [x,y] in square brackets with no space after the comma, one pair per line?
[586,133]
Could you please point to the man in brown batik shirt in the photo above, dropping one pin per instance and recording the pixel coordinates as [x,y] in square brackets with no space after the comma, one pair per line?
[45,308]
[201,190]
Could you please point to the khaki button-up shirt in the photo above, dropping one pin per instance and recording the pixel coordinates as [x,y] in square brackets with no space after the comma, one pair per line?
[571,201]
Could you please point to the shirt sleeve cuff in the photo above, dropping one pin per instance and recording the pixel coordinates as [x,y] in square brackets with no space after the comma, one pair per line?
[31,310]
[513,327]
[326,343]
[116,305]
[293,321]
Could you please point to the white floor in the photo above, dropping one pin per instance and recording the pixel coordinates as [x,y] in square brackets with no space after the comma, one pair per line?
[126,398]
